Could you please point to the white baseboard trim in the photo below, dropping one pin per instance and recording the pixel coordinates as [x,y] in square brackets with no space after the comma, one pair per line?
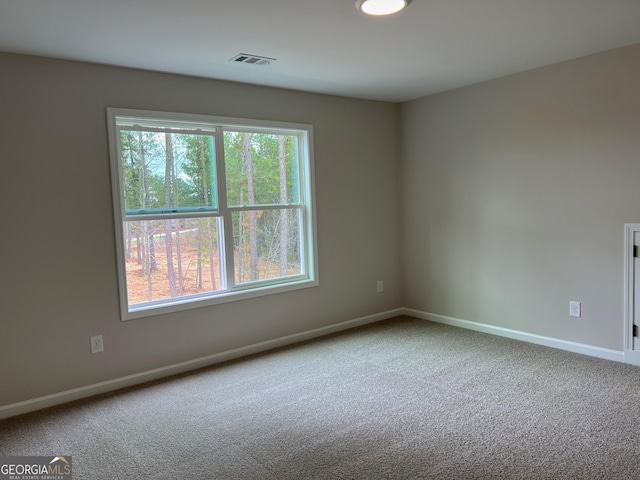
[574,347]
[59,398]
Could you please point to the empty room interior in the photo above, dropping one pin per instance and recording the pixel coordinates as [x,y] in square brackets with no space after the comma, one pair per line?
[456,294]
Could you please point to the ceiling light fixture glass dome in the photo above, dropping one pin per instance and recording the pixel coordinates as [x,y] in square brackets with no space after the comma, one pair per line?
[381,7]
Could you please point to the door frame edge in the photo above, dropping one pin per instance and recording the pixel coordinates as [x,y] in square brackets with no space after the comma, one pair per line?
[629,231]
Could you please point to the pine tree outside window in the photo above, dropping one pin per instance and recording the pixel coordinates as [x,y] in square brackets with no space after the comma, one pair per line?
[209,209]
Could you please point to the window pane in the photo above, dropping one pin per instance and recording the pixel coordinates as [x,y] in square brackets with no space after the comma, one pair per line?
[261,169]
[190,241]
[266,244]
[167,170]
[172,258]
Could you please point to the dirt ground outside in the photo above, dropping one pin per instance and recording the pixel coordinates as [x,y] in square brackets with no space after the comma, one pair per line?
[138,282]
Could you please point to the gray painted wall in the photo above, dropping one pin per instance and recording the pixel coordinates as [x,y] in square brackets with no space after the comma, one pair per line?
[58,281]
[516,192]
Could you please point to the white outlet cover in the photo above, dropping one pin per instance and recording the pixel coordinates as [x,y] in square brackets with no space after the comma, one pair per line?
[574,309]
[97,344]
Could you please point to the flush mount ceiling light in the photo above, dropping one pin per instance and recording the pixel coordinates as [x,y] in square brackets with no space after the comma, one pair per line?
[381,7]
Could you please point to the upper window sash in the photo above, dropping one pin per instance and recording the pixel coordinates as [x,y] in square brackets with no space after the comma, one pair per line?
[172,126]
[150,149]
[167,213]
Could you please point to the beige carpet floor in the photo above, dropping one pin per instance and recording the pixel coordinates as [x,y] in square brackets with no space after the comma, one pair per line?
[399,399]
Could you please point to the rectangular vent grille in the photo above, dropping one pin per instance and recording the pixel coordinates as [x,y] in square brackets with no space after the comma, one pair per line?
[252,59]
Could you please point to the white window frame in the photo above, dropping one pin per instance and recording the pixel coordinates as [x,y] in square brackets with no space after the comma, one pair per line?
[231,292]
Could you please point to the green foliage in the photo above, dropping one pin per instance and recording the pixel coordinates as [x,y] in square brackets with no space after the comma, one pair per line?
[266,170]
[193,183]
[143,166]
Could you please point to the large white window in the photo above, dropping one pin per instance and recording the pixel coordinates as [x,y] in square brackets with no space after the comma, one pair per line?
[209,209]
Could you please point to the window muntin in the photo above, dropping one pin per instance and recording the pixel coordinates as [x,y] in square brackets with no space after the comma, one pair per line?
[209,209]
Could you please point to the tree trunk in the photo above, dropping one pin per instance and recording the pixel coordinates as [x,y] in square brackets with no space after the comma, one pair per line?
[144,202]
[144,198]
[199,260]
[146,261]
[240,270]
[138,244]
[284,213]
[153,262]
[206,201]
[127,225]
[253,237]
[179,258]
[176,222]
[168,190]
[127,240]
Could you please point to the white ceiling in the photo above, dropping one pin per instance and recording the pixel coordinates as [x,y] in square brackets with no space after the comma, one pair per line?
[323,46]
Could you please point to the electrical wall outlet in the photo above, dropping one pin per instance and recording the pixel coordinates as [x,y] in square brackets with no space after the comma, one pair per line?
[380,286]
[97,345]
[574,309]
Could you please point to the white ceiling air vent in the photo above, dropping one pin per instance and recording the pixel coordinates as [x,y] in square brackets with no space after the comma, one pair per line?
[252,59]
